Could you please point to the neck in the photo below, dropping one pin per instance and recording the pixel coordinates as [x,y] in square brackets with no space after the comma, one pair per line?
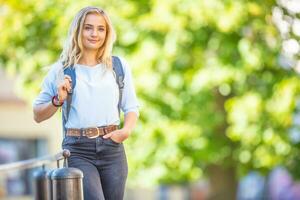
[88,58]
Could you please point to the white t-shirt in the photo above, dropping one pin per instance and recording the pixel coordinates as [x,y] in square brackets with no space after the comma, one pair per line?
[95,96]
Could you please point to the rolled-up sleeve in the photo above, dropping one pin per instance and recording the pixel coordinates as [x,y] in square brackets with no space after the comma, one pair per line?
[129,99]
[48,88]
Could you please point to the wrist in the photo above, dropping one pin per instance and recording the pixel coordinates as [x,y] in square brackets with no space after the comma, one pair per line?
[126,131]
[56,102]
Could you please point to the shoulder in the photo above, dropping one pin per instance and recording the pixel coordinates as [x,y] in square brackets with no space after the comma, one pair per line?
[54,71]
[54,68]
[57,67]
[125,64]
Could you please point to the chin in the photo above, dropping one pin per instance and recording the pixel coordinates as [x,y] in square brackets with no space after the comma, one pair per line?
[92,47]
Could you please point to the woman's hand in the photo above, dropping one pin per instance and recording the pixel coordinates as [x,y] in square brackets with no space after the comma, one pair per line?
[118,136]
[64,88]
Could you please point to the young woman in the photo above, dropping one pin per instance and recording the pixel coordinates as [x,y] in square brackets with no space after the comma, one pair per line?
[91,130]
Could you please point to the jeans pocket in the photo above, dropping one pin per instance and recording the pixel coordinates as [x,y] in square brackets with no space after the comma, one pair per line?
[114,142]
[110,142]
[70,140]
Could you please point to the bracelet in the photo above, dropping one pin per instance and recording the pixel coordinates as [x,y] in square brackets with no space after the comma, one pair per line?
[57,100]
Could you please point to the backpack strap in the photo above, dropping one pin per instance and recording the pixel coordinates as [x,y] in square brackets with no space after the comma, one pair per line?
[118,69]
[70,71]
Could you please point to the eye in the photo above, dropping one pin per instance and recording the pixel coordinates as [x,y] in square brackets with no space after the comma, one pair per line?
[101,29]
[87,28]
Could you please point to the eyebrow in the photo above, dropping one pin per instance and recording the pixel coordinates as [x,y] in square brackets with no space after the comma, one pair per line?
[92,25]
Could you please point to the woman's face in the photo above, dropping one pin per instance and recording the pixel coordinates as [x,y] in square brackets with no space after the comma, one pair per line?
[94,32]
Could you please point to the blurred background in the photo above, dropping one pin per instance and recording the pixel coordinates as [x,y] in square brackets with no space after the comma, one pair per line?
[218,83]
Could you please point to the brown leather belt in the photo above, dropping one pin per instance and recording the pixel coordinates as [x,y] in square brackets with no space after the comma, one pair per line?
[91,132]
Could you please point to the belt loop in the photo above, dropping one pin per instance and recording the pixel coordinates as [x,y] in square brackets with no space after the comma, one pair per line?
[104,130]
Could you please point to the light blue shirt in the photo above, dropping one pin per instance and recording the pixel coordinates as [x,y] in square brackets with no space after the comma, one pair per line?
[95,96]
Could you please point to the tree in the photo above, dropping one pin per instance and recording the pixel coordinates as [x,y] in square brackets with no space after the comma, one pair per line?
[214,100]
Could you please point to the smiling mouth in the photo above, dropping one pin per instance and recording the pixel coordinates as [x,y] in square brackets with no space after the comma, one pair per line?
[93,41]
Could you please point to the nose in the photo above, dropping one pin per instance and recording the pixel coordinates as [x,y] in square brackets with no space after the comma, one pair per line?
[94,32]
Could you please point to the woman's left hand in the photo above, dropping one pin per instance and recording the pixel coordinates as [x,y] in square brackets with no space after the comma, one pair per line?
[117,136]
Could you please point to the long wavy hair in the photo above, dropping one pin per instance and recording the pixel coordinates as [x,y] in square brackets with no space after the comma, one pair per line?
[73,47]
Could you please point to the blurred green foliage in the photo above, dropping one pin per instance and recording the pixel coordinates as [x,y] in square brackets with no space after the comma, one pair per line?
[206,73]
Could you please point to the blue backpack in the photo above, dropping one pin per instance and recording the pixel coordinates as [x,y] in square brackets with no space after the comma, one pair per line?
[118,69]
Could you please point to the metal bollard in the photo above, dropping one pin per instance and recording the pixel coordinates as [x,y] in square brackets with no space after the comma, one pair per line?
[49,182]
[40,184]
[67,183]
[49,185]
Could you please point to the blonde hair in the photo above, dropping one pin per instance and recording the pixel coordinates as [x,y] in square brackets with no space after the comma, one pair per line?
[73,47]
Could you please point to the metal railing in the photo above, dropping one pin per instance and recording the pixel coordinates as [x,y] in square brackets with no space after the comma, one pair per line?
[59,184]
[35,162]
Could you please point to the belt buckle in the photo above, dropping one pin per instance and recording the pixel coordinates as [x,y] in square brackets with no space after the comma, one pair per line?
[91,137]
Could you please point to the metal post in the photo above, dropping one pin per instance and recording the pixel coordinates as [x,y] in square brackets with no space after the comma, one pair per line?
[40,184]
[49,185]
[67,182]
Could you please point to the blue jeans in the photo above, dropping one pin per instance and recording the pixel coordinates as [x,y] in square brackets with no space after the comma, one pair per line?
[103,163]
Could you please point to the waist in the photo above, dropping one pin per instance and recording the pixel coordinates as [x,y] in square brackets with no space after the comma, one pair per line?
[91,132]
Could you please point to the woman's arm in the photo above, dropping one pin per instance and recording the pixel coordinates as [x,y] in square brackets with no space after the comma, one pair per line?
[46,110]
[129,106]
[129,122]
